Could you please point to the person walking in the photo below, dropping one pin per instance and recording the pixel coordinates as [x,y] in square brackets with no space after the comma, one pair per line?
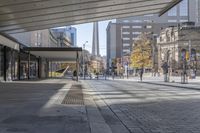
[74,75]
[113,75]
[141,74]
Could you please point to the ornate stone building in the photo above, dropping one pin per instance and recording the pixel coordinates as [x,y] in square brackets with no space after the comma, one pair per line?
[179,46]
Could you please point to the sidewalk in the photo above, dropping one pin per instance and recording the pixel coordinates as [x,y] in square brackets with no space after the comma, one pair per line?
[96,120]
[49,106]
[191,86]
[174,81]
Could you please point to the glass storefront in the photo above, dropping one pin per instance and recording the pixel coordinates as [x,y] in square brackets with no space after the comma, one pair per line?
[24,71]
[9,65]
[11,61]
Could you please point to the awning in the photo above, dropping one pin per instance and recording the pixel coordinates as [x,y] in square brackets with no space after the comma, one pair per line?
[28,15]
[55,53]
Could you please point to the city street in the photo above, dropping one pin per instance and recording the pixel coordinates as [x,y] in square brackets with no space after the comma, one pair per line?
[147,108]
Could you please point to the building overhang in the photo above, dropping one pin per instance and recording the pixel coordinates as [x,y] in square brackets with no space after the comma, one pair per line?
[29,15]
[56,53]
[170,6]
[5,41]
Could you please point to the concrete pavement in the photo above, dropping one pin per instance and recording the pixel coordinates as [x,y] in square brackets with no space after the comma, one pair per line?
[109,106]
[174,81]
[149,108]
[36,107]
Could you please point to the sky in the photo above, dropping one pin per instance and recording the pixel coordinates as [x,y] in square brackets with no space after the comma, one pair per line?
[85,32]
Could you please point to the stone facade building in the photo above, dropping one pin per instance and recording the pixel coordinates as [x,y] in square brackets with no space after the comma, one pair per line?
[179,46]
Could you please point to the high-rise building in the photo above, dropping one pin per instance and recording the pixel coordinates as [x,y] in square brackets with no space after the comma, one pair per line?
[70,35]
[73,34]
[56,37]
[95,43]
[114,47]
[40,38]
[63,36]
[122,34]
[197,12]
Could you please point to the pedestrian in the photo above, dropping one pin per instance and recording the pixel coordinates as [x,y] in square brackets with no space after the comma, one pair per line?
[121,73]
[90,76]
[74,74]
[97,75]
[113,75]
[141,74]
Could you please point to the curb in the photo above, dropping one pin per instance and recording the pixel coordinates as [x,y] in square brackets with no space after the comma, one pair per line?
[96,120]
[170,85]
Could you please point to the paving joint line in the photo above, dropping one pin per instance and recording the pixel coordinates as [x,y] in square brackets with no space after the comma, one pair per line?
[90,101]
[100,97]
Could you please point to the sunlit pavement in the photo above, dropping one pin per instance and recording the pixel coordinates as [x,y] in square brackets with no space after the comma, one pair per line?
[130,106]
[155,79]
[109,106]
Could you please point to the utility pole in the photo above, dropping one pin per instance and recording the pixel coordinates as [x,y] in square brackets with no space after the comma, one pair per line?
[84,59]
[122,47]
[183,76]
[189,63]
[127,69]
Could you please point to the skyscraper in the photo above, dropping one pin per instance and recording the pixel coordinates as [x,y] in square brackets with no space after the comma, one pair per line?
[72,31]
[95,43]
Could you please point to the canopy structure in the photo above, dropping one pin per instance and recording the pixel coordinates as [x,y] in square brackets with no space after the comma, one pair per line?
[71,55]
[55,53]
[29,15]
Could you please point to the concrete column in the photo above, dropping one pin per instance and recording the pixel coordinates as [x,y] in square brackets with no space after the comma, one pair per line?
[51,69]
[5,64]
[39,68]
[29,57]
[19,65]
[77,65]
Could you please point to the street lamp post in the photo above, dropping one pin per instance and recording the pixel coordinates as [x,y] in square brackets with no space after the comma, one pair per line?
[168,66]
[122,64]
[84,59]
[127,70]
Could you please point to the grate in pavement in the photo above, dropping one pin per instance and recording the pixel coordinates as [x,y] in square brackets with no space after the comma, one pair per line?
[74,96]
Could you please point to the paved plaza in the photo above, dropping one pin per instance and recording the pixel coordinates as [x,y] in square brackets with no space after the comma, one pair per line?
[98,106]
[149,107]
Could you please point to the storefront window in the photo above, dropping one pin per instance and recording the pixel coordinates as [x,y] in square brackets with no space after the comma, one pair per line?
[15,66]
[24,71]
[33,67]
[9,65]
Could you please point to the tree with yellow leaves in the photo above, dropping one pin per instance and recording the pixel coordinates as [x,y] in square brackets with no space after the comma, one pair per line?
[141,56]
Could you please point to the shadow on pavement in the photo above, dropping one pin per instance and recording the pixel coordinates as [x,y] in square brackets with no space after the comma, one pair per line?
[31,107]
